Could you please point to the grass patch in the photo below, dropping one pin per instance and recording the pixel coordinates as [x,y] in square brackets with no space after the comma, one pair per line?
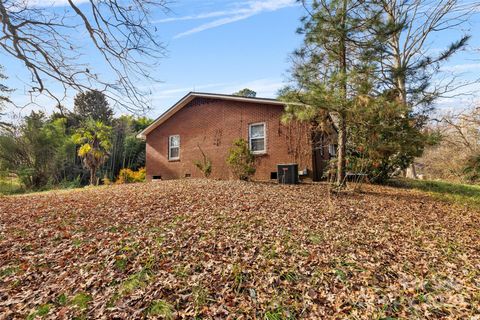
[200,297]
[447,191]
[239,277]
[62,299]
[289,276]
[162,309]
[81,300]
[181,271]
[77,243]
[8,271]
[41,311]
[135,281]
[278,313]
[10,185]
[316,238]
[121,263]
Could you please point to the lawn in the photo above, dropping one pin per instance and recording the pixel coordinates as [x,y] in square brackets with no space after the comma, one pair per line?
[198,249]
[10,185]
[463,194]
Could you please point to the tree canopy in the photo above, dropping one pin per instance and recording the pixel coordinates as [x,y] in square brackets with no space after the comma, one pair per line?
[366,60]
[408,66]
[93,104]
[332,62]
[246,93]
[33,149]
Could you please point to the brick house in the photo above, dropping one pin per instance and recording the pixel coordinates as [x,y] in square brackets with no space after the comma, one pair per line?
[211,122]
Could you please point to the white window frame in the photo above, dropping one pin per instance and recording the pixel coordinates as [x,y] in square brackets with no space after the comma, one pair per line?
[170,147]
[264,151]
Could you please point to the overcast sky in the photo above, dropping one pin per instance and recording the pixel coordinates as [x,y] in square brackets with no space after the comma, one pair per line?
[223,46]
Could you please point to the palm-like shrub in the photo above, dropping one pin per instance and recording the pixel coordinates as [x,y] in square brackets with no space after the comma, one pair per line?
[94,140]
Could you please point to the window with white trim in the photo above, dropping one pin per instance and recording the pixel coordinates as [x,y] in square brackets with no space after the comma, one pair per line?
[174,147]
[256,138]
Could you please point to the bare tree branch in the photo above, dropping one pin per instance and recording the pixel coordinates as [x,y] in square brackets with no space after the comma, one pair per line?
[41,38]
[408,65]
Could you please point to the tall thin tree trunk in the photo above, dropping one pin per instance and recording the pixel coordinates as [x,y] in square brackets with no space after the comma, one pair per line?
[342,148]
[402,88]
[400,76]
[93,176]
[342,130]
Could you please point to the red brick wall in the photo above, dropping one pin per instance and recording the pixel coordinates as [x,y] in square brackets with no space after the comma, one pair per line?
[214,125]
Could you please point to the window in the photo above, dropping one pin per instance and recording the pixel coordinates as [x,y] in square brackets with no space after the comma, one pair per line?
[256,137]
[174,147]
[332,150]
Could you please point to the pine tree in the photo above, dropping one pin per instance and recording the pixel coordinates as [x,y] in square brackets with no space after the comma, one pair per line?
[330,66]
[93,104]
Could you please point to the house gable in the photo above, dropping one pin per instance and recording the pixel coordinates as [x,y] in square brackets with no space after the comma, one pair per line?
[193,95]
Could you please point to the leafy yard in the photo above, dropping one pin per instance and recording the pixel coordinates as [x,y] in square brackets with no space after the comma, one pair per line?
[201,249]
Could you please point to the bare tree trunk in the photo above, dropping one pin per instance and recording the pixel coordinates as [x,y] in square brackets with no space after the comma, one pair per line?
[414,171]
[402,93]
[342,148]
[93,176]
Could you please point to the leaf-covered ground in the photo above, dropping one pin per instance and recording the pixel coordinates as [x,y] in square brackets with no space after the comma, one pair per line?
[197,249]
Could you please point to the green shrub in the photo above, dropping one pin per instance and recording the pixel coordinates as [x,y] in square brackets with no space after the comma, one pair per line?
[472,169]
[384,138]
[241,160]
[71,184]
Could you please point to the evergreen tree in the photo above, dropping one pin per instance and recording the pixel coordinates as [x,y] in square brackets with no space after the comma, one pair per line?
[382,139]
[330,66]
[93,104]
